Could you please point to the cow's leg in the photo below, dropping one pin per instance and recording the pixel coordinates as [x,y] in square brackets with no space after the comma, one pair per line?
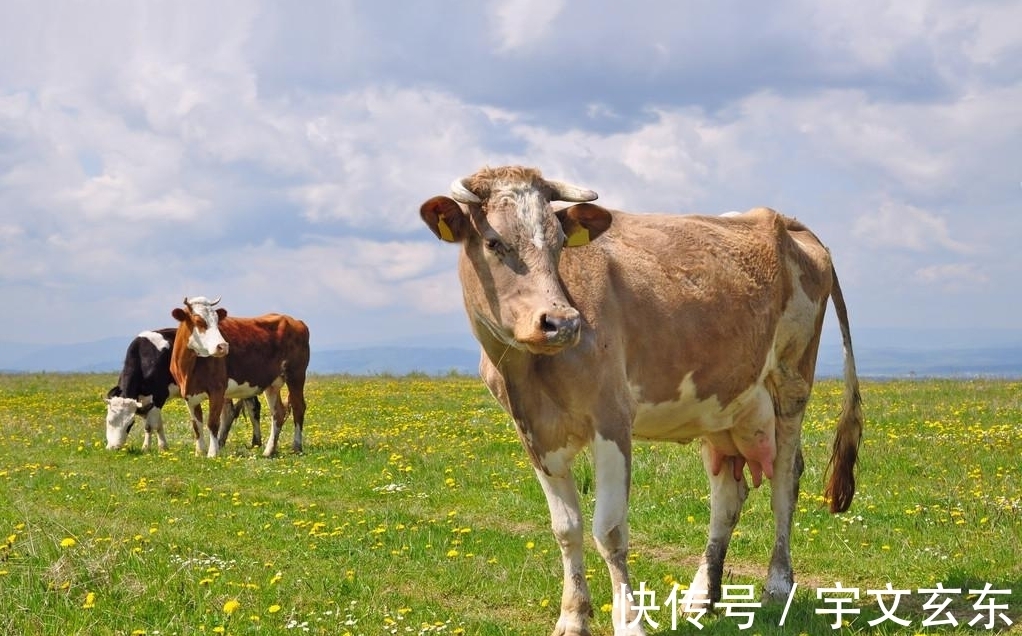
[277,414]
[727,495]
[790,393]
[610,528]
[200,444]
[296,404]
[216,408]
[154,422]
[229,414]
[783,499]
[147,433]
[566,522]
[251,406]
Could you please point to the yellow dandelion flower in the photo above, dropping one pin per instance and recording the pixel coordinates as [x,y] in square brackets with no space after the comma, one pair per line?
[530,545]
[231,606]
[90,600]
[68,542]
[273,609]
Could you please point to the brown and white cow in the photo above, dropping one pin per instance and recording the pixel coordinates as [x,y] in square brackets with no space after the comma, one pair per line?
[667,327]
[218,357]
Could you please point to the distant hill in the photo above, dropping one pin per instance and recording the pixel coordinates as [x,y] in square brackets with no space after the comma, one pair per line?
[396,360]
[84,357]
[878,353]
[107,355]
[901,362]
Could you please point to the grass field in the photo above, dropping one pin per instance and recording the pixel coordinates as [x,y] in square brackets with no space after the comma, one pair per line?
[414,511]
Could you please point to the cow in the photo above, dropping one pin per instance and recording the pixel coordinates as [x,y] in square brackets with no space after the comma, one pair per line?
[144,386]
[598,326]
[216,358]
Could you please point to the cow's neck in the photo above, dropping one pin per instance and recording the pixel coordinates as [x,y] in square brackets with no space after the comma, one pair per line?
[182,361]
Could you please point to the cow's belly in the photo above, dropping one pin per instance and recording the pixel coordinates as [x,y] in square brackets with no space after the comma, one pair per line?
[743,428]
[236,391]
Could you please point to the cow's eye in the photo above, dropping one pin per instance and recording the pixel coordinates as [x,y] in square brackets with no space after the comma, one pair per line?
[494,245]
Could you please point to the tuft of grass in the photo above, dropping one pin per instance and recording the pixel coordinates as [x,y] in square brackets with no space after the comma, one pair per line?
[414,510]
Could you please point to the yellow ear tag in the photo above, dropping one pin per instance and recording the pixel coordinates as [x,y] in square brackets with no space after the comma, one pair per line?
[579,237]
[445,230]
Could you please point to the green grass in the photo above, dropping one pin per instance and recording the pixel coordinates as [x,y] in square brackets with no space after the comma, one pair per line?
[414,511]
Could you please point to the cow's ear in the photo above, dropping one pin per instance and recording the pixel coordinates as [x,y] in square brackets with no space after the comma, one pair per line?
[221,313]
[583,222]
[179,314]
[444,217]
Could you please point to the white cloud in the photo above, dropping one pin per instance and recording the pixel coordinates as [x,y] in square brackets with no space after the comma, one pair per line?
[994,30]
[871,31]
[952,276]
[373,148]
[522,23]
[280,156]
[904,226]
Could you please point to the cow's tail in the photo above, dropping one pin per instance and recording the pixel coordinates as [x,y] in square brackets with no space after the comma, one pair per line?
[841,485]
[287,403]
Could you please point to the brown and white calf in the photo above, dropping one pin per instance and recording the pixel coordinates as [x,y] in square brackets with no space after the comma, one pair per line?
[599,326]
[216,357]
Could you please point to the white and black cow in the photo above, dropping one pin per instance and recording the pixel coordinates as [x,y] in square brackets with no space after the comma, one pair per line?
[145,385]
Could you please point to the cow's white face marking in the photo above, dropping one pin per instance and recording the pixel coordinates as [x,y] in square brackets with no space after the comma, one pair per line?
[120,411]
[156,339]
[206,343]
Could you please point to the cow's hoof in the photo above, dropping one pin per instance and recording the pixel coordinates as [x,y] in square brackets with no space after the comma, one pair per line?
[567,627]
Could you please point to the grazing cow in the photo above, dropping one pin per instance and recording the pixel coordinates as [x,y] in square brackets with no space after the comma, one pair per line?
[217,357]
[145,385]
[667,327]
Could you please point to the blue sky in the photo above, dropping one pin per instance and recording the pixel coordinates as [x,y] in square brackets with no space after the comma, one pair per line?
[276,154]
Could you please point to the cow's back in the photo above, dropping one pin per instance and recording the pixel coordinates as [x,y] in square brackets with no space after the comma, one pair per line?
[695,311]
[265,348]
[146,368]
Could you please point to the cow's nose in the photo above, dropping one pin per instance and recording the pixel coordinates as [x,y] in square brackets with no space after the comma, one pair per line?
[561,326]
[221,349]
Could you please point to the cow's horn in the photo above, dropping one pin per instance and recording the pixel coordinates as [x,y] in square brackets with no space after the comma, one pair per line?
[462,194]
[215,301]
[570,193]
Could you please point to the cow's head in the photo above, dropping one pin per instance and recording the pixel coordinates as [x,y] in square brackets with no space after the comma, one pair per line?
[202,321]
[120,414]
[512,240]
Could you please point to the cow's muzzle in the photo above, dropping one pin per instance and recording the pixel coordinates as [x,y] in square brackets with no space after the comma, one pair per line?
[553,330]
